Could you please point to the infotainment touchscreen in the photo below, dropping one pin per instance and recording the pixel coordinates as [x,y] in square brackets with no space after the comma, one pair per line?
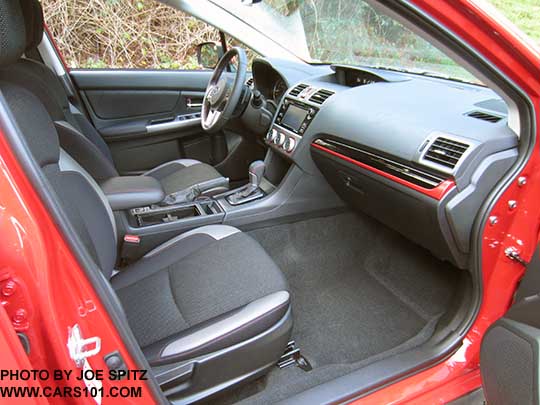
[294,117]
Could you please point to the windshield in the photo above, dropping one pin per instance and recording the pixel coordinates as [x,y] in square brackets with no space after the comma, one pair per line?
[345,32]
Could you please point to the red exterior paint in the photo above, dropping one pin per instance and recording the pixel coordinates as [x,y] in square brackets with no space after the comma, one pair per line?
[54,293]
[436,193]
[459,374]
[47,283]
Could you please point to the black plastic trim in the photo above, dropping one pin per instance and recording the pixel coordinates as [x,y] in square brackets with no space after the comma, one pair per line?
[408,173]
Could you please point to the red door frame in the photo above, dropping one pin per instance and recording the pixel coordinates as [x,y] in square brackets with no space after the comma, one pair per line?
[44,290]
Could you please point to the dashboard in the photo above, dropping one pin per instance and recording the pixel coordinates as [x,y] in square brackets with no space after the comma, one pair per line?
[419,154]
[269,82]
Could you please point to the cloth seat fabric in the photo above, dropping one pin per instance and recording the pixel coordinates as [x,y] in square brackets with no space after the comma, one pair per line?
[83,142]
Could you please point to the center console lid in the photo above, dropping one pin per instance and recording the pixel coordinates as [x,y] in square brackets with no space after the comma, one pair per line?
[125,192]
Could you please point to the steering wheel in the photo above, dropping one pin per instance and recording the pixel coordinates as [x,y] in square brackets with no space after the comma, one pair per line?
[223,92]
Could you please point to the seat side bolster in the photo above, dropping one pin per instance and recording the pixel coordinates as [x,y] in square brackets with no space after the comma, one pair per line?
[216,232]
[225,331]
[169,167]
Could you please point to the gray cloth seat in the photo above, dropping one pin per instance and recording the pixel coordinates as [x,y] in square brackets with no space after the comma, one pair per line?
[78,136]
[209,307]
[207,275]
[211,297]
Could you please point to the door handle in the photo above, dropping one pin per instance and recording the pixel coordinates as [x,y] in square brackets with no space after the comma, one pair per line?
[191,104]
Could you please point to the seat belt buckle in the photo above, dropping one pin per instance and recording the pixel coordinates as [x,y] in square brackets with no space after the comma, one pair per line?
[130,248]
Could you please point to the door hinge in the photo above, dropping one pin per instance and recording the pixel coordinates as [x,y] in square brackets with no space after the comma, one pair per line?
[79,348]
[513,254]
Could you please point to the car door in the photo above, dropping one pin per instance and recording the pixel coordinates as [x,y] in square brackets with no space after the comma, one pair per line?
[510,351]
[134,67]
[147,117]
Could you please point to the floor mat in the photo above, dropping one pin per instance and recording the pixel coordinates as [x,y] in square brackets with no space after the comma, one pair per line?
[359,291]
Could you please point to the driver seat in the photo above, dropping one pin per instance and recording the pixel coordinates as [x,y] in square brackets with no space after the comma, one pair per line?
[79,138]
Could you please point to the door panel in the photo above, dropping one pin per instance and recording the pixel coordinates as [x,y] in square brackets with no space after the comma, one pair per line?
[112,104]
[510,354]
[147,117]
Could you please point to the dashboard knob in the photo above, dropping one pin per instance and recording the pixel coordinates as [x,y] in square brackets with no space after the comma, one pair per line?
[273,135]
[280,139]
[289,145]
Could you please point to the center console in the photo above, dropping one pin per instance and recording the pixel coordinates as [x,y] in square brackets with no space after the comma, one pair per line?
[292,120]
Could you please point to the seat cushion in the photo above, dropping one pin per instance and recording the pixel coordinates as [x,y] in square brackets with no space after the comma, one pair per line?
[182,174]
[202,277]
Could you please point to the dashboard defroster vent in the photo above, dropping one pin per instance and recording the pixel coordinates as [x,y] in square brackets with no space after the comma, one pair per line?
[298,89]
[446,152]
[321,96]
[484,116]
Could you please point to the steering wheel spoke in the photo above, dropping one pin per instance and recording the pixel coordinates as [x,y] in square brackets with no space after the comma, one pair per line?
[223,92]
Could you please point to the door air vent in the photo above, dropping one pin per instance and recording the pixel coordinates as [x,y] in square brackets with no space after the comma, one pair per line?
[250,82]
[484,116]
[321,96]
[298,89]
[446,152]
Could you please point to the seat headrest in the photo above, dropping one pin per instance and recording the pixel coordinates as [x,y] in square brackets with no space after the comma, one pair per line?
[12,34]
[33,22]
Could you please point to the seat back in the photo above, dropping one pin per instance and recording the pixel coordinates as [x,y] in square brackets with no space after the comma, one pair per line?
[84,143]
[81,199]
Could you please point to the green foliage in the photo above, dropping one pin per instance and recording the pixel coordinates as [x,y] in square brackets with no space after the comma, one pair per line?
[525,14]
[151,35]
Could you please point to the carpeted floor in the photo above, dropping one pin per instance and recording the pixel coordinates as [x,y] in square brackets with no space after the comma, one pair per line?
[360,292]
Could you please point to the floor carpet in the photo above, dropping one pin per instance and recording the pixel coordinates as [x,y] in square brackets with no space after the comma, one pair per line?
[360,292]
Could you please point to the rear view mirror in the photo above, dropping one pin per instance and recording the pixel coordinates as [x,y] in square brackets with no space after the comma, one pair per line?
[208,54]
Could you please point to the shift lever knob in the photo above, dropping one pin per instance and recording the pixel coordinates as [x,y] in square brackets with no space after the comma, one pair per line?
[256,172]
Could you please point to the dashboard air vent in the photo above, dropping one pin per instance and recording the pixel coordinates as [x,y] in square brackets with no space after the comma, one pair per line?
[446,152]
[298,89]
[250,82]
[321,96]
[484,116]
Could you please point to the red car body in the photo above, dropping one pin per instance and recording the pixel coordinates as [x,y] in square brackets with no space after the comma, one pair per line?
[44,291]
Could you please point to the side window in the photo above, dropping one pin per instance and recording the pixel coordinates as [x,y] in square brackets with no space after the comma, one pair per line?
[125,34]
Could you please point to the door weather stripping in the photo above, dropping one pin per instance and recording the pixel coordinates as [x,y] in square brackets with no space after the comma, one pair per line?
[513,254]
[79,348]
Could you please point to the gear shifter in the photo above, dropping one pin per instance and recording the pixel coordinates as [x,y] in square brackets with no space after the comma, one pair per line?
[251,191]
[256,171]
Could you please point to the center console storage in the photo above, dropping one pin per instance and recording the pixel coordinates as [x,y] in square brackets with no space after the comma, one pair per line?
[156,215]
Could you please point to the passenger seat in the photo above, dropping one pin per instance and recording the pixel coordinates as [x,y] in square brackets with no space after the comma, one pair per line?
[78,136]
[209,308]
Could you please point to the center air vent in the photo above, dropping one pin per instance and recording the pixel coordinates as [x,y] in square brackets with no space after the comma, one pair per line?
[446,152]
[321,96]
[250,82]
[298,89]
[484,116]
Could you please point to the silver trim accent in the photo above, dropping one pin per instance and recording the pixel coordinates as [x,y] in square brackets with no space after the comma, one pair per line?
[217,232]
[193,105]
[288,134]
[172,125]
[432,137]
[405,170]
[247,314]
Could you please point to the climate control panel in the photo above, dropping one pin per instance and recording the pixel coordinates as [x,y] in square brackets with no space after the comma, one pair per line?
[282,140]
